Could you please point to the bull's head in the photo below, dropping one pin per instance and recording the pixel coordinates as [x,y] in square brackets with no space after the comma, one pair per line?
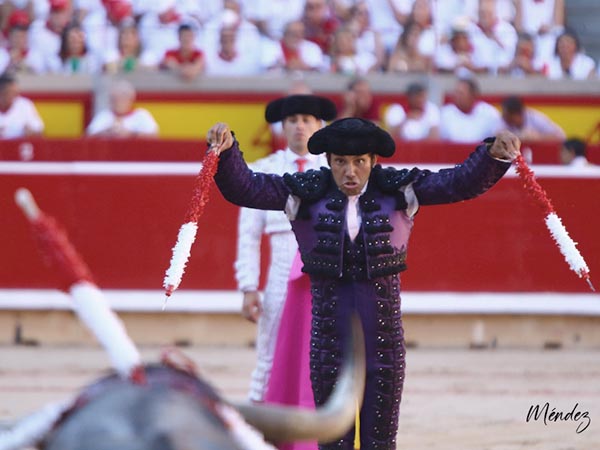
[162,407]
[177,410]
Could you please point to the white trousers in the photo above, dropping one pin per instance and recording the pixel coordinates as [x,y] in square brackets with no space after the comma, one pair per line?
[283,251]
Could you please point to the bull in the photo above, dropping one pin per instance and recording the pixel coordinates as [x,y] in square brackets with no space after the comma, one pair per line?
[166,405]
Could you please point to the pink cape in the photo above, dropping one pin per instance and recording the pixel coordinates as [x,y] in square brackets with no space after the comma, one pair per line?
[289,383]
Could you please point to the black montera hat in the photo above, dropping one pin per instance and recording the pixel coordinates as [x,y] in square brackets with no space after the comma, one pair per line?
[320,107]
[352,136]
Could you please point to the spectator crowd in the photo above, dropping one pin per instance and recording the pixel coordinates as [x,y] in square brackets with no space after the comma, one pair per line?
[192,38]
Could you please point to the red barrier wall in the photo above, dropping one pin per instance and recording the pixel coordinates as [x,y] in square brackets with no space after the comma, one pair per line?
[125,224]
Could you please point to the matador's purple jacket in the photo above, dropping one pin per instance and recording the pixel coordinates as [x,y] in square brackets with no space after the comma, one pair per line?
[360,275]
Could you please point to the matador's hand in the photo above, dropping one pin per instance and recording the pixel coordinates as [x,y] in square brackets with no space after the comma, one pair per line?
[506,146]
[219,137]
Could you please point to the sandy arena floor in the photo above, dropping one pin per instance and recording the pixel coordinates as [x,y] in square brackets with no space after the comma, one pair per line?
[453,399]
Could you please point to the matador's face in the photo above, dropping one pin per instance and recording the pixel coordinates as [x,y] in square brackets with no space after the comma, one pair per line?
[351,172]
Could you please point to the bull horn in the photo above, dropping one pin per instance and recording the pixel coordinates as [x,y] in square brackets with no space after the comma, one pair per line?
[329,422]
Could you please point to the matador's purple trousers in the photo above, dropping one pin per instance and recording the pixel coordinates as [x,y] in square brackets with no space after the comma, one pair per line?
[378,304]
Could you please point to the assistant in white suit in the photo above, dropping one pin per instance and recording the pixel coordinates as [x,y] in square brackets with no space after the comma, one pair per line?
[301,116]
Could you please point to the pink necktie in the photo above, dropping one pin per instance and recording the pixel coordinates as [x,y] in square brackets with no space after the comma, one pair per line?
[301,162]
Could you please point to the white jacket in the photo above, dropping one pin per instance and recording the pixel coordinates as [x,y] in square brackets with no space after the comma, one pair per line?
[253,222]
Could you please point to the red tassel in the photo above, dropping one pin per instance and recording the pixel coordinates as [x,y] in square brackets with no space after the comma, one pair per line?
[202,187]
[539,197]
[532,187]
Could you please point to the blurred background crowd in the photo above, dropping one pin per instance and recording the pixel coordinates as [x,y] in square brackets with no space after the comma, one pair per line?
[250,37]
[411,41]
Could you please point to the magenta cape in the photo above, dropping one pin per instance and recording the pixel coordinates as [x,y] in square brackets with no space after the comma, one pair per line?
[289,383]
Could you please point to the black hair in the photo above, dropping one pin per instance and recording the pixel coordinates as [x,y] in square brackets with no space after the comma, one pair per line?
[415,88]
[185,27]
[575,145]
[64,46]
[403,38]
[572,34]
[6,78]
[513,105]
[471,83]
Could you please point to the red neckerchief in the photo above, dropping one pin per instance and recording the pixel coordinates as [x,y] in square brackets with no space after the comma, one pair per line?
[321,33]
[125,114]
[22,52]
[178,55]
[289,54]
[5,110]
[422,111]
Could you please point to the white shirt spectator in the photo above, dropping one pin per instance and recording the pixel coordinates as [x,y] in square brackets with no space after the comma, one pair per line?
[33,61]
[309,52]
[44,42]
[505,9]
[445,13]
[100,34]
[248,39]
[447,59]
[199,11]
[242,64]
[496,51]
[539,66]
[384,20]
[534,15]
[366,42]
[457,126]
[138,121]
[581,68]
[230,53]
[40,7]
[156,36]
[413,129]
[147,58]
[20,117]
[535,125]
[275,13]
[357,64]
